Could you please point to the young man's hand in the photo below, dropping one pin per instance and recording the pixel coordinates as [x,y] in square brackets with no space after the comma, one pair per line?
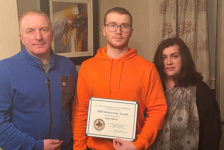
[120,144]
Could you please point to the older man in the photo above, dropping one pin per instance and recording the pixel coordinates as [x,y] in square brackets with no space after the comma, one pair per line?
[37,87]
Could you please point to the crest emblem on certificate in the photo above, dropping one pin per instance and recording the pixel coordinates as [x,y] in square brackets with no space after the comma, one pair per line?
[99,124]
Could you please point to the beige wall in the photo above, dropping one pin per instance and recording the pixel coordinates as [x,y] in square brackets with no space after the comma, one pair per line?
[9,31]
[9,41]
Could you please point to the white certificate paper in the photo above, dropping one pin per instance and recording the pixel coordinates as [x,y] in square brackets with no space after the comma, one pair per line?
[110,118]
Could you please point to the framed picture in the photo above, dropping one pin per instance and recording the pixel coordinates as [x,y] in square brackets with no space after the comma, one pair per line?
[73,25]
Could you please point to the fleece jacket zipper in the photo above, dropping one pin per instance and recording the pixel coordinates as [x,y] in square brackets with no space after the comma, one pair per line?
[50,107]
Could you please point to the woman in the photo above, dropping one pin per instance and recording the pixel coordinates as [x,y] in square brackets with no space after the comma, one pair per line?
[193,117]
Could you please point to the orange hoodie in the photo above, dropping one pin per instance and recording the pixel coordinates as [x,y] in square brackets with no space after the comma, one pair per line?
[130,77]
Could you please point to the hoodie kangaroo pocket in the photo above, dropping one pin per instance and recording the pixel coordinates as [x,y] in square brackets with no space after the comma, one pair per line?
[67,90]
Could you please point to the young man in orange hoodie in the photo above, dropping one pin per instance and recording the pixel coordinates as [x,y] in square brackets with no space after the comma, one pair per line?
[117,72]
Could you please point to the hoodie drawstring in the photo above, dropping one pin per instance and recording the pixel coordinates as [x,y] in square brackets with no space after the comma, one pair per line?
[110,74]
[119,82]
[121,73]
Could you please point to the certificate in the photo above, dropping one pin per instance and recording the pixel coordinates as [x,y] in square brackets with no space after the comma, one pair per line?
[110,118]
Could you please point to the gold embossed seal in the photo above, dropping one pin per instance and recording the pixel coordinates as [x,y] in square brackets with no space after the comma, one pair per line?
[99,124]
